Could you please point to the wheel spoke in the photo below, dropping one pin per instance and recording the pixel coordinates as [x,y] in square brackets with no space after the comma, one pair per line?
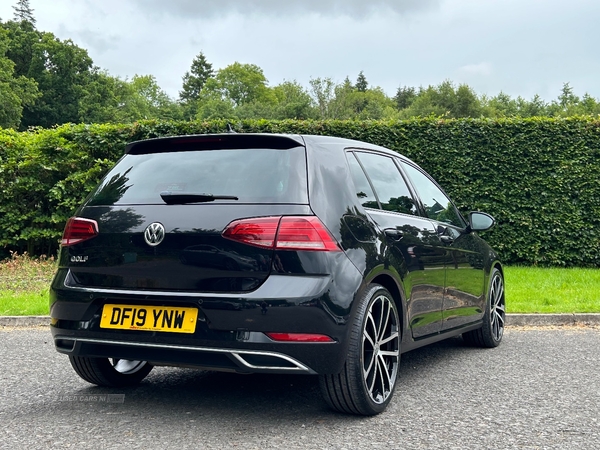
[380,381]
[387,379]
[497,300]
[368,338]
[371,339]
[500,318]
[384,323]
[381,313]
[375,370]
[500,290]
[389,338]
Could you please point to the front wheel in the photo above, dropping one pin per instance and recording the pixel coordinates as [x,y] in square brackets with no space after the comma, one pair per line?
[490,334]
[110,372]
[366,383]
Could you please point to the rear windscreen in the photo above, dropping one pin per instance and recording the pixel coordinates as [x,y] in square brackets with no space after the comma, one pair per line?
[253,175]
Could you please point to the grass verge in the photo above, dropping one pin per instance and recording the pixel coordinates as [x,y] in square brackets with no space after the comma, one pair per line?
[552,290]
[24,283]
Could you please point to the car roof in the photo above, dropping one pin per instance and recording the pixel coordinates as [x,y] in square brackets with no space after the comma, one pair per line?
[246,140]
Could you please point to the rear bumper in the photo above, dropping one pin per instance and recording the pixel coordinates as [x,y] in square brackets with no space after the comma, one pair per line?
[229,334]
[234,360]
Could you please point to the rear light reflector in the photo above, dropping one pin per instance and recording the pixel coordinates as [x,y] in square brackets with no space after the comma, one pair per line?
[282,233]
[78,230]
[259,232]
[299,337]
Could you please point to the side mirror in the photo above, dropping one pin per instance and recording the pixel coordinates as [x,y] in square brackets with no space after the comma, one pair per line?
[479,221]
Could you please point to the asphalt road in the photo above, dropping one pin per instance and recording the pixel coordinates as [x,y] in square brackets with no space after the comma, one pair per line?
[539,390]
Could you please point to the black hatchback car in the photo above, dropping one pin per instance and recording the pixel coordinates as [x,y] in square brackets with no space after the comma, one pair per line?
[271,253]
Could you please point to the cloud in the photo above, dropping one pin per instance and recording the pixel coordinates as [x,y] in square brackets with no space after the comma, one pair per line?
[483,68]
[98,42]
[204,9]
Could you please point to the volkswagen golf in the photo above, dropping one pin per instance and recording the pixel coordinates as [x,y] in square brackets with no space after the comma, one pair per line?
[264,253]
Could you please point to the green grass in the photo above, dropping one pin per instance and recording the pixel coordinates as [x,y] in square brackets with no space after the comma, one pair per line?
[542,290]
[24,283]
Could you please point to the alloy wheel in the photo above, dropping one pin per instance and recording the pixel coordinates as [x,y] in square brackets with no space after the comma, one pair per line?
[380,348]
[497,307]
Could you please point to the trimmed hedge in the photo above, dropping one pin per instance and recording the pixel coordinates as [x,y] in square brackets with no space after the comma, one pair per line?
[538,177]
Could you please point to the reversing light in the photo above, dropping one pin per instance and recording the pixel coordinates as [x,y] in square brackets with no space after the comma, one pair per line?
[299,337]
[78,230]
[282,233]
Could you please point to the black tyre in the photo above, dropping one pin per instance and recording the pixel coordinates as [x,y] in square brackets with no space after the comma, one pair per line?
[492,330]
[110,372]
[366,383]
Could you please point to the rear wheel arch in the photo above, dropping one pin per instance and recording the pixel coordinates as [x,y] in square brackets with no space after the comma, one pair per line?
[389,283]
[498,266]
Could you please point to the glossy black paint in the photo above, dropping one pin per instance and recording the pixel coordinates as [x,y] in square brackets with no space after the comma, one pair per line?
[437,273]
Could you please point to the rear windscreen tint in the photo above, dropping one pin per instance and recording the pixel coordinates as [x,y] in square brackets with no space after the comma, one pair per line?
[253,175]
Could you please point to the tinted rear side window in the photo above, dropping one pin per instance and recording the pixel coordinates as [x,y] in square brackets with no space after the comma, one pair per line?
[390,187]
[253,175]
[361,183]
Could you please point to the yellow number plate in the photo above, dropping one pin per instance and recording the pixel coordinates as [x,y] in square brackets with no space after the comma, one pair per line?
[149,318]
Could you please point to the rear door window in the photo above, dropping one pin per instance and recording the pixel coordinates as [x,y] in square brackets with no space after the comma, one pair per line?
[363,189]
[390,188]
[253,175]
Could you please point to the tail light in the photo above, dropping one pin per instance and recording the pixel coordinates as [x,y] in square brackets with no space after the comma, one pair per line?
[299,337]
[78,230]
[282,233]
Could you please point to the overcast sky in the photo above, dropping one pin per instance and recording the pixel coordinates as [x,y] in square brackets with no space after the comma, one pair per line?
[520,47]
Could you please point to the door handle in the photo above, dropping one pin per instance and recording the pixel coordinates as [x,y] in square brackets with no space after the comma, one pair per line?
[446,239]
[394,234]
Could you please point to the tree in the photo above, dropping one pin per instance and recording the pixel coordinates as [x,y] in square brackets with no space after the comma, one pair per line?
[243,83]
[24,12]
[467,102]
[111,99]
[404,97]
[361,82]
[322,90]
[445,100]
[22,37]
[15,92]
[535,107]
[216,108]
[152,102]
[195,79]
[502,105]
[566,98]
[61,70]
[293,102]
[372,104]
[104,99]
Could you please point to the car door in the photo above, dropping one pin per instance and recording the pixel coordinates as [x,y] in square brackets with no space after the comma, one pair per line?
[411,247]
[465,276]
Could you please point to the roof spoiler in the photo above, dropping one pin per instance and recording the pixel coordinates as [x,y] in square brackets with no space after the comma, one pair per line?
[214,142]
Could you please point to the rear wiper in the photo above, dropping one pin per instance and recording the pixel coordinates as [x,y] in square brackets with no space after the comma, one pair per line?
[174,198]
